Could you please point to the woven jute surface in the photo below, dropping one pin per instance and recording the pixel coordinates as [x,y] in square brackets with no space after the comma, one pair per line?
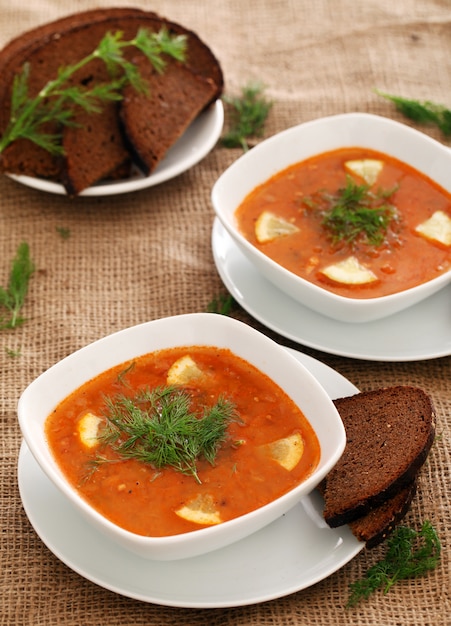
[141,256]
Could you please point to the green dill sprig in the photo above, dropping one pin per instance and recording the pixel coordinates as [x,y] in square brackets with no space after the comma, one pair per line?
[14,354]
[63,232]
[122,376]
[423,112]
[13,296]
[354,212]
[410,554]
[157,427]
[56,101]
[154,45]
[248,116]
[223,304]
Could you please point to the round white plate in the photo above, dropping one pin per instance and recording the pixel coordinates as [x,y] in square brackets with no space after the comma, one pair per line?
[197,141]
[292,553]
[421,332]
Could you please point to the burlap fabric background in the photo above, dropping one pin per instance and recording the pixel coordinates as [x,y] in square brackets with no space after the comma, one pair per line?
[146,255]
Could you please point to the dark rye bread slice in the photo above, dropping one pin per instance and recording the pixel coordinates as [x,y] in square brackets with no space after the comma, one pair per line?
[75,37]
[94,150]
[389,433]
[153,123]
[379,522]
[375,526]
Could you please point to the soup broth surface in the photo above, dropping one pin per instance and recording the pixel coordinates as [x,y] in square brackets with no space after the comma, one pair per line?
[404,259]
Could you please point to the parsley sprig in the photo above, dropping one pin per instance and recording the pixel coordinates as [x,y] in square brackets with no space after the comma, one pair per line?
[13,296]
[249,112]
[56,101]
[157,427]
[354,213]
[423,112]
[410,554]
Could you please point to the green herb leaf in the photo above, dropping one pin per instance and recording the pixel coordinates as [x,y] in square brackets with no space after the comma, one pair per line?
[223,304]
[354,213]
[12,297]
[56,101]
[163,43]
[410,554]
[423,112]
[13,353]
[249,112]
[63,232]
[157,427]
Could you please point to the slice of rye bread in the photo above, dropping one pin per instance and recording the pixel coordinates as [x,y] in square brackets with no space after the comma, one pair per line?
[153,123]
[379,522]
[375,526]
[70,40]
[389,433]
[94,150]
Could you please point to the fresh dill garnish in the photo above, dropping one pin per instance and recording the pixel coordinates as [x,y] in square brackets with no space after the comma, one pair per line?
[423,112]
[13,296]
[63,232]
[121,377]
[354,213]
[13,353]
[410,553]
[248,113]
[56,101]
[223,304]
[158,427]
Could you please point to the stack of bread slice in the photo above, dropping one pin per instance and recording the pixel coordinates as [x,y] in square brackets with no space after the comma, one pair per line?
[389,433]
[139,129]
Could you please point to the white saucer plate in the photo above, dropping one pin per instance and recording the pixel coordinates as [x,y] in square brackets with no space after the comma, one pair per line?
[197,141]
[293,553]
[418,333]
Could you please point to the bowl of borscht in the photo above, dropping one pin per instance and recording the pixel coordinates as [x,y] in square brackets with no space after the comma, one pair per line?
[350,215]
[181,435]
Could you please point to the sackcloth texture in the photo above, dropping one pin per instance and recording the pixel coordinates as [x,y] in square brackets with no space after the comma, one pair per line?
[145,255]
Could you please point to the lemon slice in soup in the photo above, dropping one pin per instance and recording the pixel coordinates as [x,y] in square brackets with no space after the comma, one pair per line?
[287,451]
[201,510]
[183,371]
[88,428]
[349,272]
[436,228]
[270,226]
[368,169]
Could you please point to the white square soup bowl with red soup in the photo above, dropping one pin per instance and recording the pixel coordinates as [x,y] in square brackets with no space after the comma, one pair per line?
[350,215]
[184,353]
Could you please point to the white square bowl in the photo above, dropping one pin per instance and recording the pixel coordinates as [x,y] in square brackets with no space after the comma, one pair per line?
[50,388]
